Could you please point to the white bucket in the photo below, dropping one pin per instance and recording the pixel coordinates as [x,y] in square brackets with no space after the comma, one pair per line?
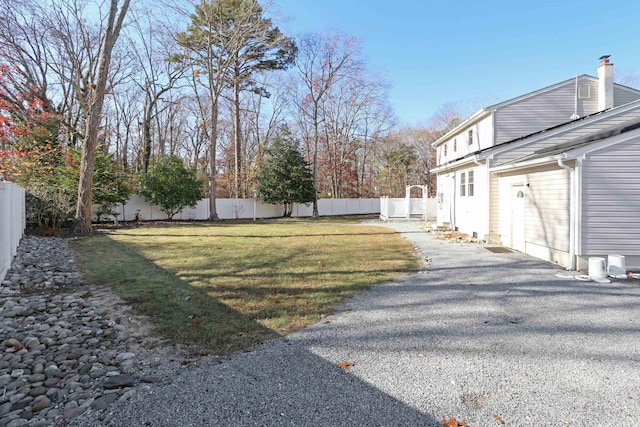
[597,268]
[617,265]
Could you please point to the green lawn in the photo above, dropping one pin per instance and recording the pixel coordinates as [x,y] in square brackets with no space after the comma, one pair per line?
[223,287]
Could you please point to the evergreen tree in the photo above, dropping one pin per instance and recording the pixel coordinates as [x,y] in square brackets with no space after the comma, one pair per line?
[284,176]
[171,186]
[228,41]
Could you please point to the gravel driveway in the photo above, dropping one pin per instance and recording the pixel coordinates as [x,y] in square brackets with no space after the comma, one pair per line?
[482,337]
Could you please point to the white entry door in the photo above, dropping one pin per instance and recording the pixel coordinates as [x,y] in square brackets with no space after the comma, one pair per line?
[517,217]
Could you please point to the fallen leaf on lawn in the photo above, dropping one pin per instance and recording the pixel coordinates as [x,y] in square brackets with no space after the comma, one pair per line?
[345,365]
[241,334]
[498,419]
[196,323]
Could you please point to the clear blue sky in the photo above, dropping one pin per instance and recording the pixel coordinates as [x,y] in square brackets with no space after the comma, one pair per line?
[475,53]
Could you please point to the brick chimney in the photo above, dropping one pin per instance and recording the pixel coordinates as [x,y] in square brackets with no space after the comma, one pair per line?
[605,83]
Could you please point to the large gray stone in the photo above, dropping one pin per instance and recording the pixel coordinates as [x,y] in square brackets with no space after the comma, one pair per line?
[119,381]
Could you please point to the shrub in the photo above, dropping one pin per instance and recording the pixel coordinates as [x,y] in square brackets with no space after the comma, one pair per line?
[49,209]
[171,186]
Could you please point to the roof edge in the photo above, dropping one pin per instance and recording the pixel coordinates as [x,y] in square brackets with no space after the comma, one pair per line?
[477,116]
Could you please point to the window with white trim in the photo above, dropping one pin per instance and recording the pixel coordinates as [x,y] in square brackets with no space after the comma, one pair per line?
[470,185]
[455,145]
[470,137]
[463,184]
[445,149]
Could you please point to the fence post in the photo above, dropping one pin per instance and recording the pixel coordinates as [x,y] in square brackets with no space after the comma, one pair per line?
[408,202]
[12,223]
[425,200]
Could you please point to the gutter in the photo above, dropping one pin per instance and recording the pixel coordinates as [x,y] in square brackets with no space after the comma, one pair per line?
[457,163]
[528,163]
[572,210]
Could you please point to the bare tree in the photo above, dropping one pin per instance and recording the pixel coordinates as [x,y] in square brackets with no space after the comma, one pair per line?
[150,44]
[25,60]
[323,59]
[94,92]
[85,49]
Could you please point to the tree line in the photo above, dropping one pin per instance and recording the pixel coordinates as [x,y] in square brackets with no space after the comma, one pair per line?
[94,93]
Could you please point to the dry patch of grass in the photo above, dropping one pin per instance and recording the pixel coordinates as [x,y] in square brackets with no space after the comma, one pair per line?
[225,287]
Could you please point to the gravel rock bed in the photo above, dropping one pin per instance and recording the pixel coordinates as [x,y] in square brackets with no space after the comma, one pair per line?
[41,263]
[65,348]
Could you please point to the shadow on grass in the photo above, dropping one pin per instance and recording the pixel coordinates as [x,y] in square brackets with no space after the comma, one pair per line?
[225,301]
[182,313]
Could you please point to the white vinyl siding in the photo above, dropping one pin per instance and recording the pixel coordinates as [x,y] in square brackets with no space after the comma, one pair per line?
[446,190]
[611,200]
[546,206]
[494,209]
[548,212]
[471,212]
[482,138]
[623,96]
[597,124]
[544,110]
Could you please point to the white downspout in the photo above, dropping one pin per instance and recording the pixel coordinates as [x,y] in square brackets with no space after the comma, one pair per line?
[487,202]
[572,214]
[452,204]
[578,205]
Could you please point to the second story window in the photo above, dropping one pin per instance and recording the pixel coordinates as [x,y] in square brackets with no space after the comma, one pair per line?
[444,149]
[455,145]
[470,137]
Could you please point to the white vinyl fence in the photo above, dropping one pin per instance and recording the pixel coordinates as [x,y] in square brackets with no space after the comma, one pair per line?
[408,208]
[12,223]
[138,209]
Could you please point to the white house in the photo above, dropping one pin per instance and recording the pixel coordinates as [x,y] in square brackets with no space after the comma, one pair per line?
[546,172]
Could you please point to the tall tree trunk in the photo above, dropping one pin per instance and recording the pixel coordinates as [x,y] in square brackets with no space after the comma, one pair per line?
[95,96]
[316,215]
[213,137]
[238,133]
[146,137]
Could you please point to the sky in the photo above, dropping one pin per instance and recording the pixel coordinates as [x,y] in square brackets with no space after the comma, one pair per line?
[474,53]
